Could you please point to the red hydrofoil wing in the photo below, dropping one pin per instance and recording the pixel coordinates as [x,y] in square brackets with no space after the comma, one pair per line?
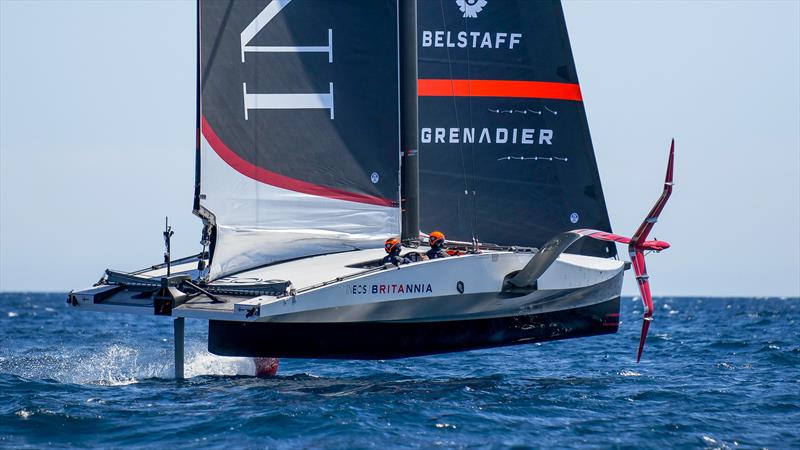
[638,245]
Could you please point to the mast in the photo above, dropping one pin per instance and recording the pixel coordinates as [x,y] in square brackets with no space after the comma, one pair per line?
[196,204]
[409,137]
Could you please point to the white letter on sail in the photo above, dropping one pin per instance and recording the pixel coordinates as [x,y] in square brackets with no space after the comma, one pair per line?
[263,18]
[287,101]
[283,101]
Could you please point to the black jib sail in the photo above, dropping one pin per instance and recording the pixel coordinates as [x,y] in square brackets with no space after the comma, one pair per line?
[299,151]
[505,151]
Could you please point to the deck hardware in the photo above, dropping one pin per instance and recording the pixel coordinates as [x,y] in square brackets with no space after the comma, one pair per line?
[168,295]
[214,298]
[167,237]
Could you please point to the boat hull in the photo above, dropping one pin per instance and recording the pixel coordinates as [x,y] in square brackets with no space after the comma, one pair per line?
[397,339]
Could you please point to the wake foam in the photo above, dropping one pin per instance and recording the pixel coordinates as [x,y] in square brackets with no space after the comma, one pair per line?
[200,362]
[120,364]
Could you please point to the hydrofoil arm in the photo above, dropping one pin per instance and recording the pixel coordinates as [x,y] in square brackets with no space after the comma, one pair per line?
[637,246]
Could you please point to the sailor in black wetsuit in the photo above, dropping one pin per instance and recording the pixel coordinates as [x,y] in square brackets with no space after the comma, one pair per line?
[393,248]
[436,241]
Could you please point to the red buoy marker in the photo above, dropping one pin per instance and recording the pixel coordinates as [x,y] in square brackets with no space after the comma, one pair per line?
[266,367]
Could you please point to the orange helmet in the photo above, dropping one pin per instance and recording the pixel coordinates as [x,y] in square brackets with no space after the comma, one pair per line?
[392,244]
[436,238]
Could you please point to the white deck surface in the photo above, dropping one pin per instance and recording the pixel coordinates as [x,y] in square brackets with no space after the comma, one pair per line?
[308,271]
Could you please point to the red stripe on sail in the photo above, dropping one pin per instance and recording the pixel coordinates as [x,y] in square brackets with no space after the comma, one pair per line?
[265,176]
[498,88]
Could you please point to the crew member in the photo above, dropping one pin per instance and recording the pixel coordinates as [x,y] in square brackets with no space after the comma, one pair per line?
[393,247]
[436,241]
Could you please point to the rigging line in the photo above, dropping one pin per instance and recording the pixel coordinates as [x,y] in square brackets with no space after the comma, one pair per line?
[455,105]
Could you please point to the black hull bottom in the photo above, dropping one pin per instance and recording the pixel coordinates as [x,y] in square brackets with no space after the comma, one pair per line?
[387,340]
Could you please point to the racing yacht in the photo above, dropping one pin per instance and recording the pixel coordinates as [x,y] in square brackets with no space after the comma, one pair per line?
[326,127]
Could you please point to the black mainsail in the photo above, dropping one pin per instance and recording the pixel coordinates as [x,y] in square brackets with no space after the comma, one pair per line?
[299,151]
[505,151]
[300,127]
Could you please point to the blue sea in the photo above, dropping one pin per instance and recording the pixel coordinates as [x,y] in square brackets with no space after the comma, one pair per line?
[716,373]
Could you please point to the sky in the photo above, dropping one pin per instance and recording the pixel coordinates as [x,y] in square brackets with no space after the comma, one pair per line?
[97,136]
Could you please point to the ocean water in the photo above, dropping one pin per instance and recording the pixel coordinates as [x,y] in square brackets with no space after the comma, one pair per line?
[716,373]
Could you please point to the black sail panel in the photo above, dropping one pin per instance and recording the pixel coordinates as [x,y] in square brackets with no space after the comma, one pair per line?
[505,151]
[350,59]
[299,120]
